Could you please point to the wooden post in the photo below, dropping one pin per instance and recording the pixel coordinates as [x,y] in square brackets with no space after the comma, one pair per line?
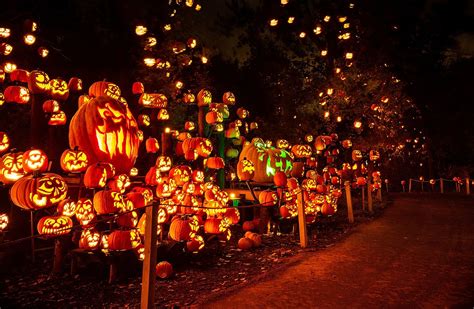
[409,186]
[149,263]
[363,197]
[32,230]
[221,153]
[386,186]
[201,120]
[350,213]
[379,194]
[403,188]
[422,188]
[302,220]
[58,256]
[441,185]
[468,188]
[369,197]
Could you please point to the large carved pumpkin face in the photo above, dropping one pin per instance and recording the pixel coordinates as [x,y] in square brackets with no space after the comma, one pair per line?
[50,189]
[54,225]
[11,167]
[85,211]
[35,160]
[38,82]
[58,89]
[74,161]
[115,137]
[4,142]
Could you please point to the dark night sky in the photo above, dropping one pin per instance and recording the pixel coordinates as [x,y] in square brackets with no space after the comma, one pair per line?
[434,50]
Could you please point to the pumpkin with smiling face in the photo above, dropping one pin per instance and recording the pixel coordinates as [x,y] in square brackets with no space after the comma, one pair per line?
[11,167]
[35,160]
[38,82]
[54,225]
[107,131]
[58,119]
[38,192]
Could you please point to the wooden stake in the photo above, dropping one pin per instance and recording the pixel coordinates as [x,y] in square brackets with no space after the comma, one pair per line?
[369,197]
[58,256]
[32,230]
[379,194]
[302,220]
[363,198]
[422,188]
[149,263]
[441,185]
[409,186]
[350,213]
[468,188]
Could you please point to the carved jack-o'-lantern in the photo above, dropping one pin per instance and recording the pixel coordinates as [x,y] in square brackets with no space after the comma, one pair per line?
[89,240]
[34,160]
[204,97]
[4,142]
[38,192]
[302,151]
[153,100]
[74,161]
[144,120]
[3,222]
[356,155]
[374,155]
[181,174]
[51,106]
[245,170]
[58,119]
[58,89]
[105,89]
[189,126]
[38,82]
[163,163]
[17,94]
[152,145]
[95,176]
[11,167]
[119,183]
[75,84]
[198,176]
[85,213]
[228,98]
[163,114]
[242,113]
[67,207]
[282,144]
[54,225]
[107,131]
[108,201]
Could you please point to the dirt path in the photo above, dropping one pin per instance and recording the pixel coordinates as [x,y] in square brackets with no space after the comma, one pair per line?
[419,254]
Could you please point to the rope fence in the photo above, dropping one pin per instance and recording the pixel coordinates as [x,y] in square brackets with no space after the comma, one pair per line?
[458,183]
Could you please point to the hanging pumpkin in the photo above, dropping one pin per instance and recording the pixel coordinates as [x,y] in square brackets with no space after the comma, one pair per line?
[204,97]
[74,161]
[107,131]
[50,106]
[153,100]
[152,145]
[245,170]
[138,88]
[228,98]
[11,167]
[54,225]
[267,160]
[38,192]
[35,160]
[58,119]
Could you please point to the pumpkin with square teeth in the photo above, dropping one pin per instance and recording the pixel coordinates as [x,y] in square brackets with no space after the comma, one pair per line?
[11,167]
[38,192]
[74,161]
[54,225]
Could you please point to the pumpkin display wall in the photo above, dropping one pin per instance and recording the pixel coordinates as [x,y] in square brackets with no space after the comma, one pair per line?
[106,131]
[267,160]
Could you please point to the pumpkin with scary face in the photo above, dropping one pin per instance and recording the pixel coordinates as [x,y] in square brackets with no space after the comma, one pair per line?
[38,192]
[38,82]
[58,89]
[119,183]
[11,167]
[374,155]
[163,114]
[85,213]
[17,94]
[67,207]
[58,119]
[356,155]
[282,144]
[107,131]
[35,160]
[4,142]
[245,170]
[204,97]
[267,160]
[105,89]
[163,163]
[228,98]
[54,225]
[181,174]
[153,100]
[301,151]
[74,161]
[89,240]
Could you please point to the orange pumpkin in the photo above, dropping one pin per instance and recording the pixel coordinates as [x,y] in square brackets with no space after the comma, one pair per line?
[245,243]
[107,131]
[164,270]
[54,225]
[180,229]
[123,240]
[138,88]
[38,192]
[107,201]
[267,198]
[11,167]
[35,160]
[74,161]
[38,82]
[215,163]
[95,176]
[105,89]
[67,208]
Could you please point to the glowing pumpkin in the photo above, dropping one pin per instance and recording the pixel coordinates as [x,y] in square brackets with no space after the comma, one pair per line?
[17,94]
[58,89]
[54,225]
[85,213]
[35,160]
[38,82]
[4,142]
[74,161]
[107,131]
[11,167]
[105,89]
